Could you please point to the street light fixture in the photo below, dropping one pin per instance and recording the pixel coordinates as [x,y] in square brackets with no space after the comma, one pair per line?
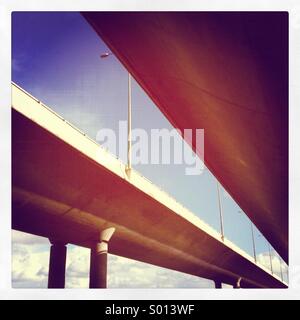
[105,54]
[128,167]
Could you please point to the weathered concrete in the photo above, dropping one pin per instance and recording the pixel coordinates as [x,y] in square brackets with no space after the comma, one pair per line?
[237,284]
[98,262]
[228,74]
[66,187]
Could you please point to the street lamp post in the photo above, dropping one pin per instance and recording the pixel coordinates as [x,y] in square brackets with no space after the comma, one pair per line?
[128,167]
[270,257]
[129,126]
[281,274]
[220,212]
[253,241]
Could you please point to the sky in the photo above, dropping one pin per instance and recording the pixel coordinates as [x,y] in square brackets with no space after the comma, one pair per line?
[56,58]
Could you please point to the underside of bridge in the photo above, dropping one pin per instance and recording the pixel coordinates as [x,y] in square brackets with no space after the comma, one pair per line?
[70,190]
[226,73]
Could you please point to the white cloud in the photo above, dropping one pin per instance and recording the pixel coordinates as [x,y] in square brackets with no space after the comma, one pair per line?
[264,259]
[126,273]
[226,286]
[77,267]
[29,266]
[26,238]
[31,260]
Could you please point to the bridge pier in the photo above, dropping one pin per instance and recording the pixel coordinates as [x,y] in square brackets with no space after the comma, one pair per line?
[98,261]
[57,264]
[237,284]
[218,284]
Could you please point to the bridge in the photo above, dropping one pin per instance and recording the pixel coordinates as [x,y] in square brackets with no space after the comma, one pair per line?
[67,188]
[228,74]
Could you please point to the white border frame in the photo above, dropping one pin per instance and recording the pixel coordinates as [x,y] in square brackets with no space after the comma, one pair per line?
[7,6]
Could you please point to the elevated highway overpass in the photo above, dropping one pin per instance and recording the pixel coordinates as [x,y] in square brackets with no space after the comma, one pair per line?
[67,188]
[226,73]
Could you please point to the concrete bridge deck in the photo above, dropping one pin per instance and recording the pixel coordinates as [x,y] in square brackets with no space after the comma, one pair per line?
[226,73]
[67,188]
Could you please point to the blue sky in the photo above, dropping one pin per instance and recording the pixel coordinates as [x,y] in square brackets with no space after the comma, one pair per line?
[56,58]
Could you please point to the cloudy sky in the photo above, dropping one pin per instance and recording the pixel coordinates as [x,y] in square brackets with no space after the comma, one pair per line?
[56,58]
[31,259]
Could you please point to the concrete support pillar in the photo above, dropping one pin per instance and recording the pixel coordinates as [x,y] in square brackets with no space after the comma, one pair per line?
[57,265]
[98,261]
[237,285]
[218,284]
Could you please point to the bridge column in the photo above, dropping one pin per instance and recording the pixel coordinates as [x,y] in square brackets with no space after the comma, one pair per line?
[98,262]
[218,284]
[57,264]
[237,284]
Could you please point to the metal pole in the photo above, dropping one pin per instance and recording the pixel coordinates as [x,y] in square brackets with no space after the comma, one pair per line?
[270,257]
[220,212]
[128,168]
[280,268]
[253,242]
[129,124]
